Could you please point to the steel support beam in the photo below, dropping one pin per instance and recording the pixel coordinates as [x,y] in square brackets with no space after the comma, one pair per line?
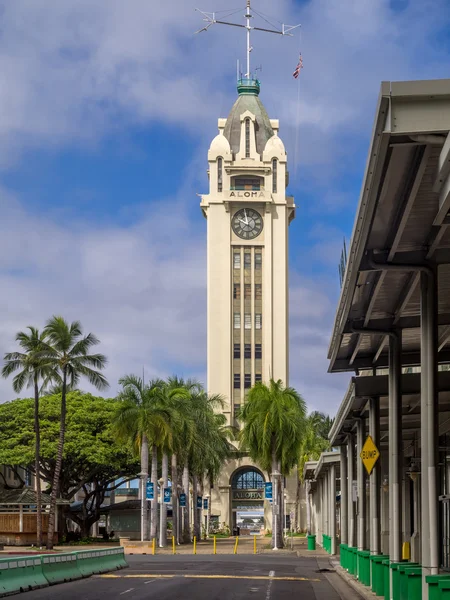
[332,505]
[375,478]
[344,496]
[395,448]
[350,476]
[360,474]
[429,428]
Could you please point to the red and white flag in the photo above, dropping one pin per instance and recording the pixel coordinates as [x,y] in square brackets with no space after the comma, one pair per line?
[298,68]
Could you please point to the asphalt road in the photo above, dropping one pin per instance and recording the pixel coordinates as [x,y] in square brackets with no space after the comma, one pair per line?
[220,577]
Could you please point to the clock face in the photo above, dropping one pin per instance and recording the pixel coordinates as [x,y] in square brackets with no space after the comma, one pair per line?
[247,223]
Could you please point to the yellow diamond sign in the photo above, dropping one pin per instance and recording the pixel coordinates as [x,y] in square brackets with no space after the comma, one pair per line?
[369,454]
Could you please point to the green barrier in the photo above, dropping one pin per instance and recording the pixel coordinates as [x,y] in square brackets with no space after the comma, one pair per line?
[433,585]
[21,574]
[377,573]
[403,580]
[58,568]
[91,562]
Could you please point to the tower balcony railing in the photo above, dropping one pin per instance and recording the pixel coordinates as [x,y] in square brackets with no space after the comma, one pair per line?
[249,85]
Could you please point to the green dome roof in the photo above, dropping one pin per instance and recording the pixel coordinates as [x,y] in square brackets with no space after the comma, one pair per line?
[248,100]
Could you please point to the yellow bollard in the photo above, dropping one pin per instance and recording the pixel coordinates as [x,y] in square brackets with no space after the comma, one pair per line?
[254,544]
[173,545]
[154,547]
[195,544]
[215,545]
[406,552]
[236,545]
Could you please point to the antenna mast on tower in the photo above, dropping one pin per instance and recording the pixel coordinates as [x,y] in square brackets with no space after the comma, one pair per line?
[210,19]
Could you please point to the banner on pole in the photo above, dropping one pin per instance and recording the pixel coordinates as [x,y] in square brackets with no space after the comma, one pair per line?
[182,500]
[268,490]
[205,503]
[199,502]
[167,495]
[150,491]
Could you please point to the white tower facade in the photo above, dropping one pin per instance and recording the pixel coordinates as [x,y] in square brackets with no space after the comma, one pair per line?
[248,215]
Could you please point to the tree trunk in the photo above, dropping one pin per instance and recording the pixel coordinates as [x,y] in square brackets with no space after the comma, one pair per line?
[144,478]
[37,468]
[197,530]
[175,499]
[186,513]
[163,507]
[154,507]
[277,534]
[58,465]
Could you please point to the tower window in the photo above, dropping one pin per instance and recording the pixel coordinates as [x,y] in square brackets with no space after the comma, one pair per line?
[237,291]
[247,321]
[258,291]
[258,321]
[237,351]
[258,351]
[248,291]
[258,261]
[258,378]
[237,320]
[237,381]
[237,260]
[247,381]
[247,260]
[247,351]
[219,174]
[247,138]
[252,184]
[237,410]
[274,176]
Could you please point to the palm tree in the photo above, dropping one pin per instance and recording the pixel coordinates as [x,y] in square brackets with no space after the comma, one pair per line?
[32,370]
[315,441]
[185,428]
[273,417]
[66,352]
[141,420]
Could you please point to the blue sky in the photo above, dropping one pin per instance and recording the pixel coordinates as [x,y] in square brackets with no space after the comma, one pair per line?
[106,114]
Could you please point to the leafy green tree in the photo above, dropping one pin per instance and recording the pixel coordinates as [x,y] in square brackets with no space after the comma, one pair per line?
[66,352]
[32,371]
[94,461]
[274,418]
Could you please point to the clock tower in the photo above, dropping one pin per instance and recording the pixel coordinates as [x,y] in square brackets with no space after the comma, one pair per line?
[248,216]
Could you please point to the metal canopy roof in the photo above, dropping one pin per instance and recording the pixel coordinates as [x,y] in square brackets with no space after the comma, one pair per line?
[403,218]
[355,405]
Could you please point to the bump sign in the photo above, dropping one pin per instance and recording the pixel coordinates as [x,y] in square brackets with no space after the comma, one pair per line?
[369,454]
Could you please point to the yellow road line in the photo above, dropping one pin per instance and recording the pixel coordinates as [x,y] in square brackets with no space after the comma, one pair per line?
[152,576]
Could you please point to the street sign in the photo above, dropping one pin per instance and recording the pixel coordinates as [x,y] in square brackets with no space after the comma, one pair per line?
[182,500]
[369,454]
[199,502]
[167,495]
[150,493]
[205,503]
[268,490]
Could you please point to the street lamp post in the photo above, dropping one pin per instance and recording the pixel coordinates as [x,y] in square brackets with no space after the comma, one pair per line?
[161,500]
[143,476]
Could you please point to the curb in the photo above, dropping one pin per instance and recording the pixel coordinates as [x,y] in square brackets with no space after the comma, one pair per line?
[359,588]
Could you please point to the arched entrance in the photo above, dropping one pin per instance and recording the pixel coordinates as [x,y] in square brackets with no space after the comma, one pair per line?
[247,501]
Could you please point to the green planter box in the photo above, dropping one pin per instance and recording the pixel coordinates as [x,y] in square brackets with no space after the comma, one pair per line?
[377,573]
[387,579]
[311,542]
[444,589]
[433,585]
[352,556]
